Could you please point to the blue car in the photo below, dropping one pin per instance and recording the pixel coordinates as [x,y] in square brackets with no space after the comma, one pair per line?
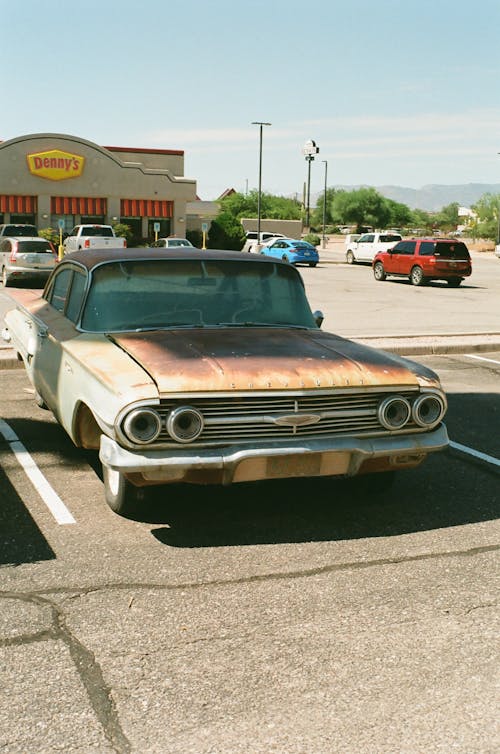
[293,251]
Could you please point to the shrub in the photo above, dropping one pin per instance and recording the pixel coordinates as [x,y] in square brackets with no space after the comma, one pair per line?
[313,239]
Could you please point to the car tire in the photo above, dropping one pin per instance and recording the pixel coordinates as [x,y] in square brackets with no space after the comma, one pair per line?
[284,258]
[454,282]
[312,264]
[417,276]
[378,271]
[122,496]
[349,257]
[5,278]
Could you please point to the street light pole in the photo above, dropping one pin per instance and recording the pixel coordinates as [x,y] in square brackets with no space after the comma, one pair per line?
[324,204]
[310,151]
[260,124]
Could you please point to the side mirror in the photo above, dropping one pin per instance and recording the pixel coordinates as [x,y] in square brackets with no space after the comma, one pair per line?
[319,317]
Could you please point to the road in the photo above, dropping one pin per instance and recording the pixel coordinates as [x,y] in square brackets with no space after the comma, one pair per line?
[302,617]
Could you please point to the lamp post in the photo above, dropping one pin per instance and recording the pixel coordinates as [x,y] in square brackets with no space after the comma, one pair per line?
[310,151]
[260,124]
[325,162]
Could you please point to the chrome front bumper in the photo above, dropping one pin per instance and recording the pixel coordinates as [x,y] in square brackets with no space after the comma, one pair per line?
[338,456]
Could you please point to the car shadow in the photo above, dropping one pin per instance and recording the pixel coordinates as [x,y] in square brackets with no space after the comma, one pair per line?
[303,510]
[21,541]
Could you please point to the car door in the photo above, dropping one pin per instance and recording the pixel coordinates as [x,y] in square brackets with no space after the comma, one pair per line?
[364,248]
[398,257]
[54,326]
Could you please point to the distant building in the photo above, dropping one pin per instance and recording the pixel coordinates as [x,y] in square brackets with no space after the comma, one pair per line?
[51,179]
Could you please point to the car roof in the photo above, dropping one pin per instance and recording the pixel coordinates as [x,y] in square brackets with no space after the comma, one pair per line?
[91,257]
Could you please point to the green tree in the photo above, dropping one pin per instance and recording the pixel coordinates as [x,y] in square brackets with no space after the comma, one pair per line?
[271,207]
[399,214]
[226,232]
[488,217]
[317,213]
[421,221]
[363,206]
[447,218]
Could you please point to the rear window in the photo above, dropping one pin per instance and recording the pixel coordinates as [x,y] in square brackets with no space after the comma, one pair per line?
[20,230]
[388,238]
[97,230]
[452,250]
[29,246]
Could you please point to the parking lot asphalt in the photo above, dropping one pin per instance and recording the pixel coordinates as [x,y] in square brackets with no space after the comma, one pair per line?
[410,344]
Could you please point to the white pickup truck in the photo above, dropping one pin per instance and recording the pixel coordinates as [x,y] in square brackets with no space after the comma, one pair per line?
[366,246]
[92,237]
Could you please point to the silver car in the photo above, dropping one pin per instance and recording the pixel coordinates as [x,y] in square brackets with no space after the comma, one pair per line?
[26,258]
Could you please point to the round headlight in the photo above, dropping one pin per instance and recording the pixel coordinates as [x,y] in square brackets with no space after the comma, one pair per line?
[184,424]
[394,411]
[142,425]
[428,410]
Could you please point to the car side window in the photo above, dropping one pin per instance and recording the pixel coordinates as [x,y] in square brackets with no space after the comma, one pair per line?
[58,293]
[404,247]
[426,249]
[4,246]
[75,298]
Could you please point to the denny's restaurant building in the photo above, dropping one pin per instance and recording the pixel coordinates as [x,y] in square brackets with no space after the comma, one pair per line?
[51,179]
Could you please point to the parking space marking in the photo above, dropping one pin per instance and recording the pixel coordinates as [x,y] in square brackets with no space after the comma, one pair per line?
[44,489]
[476,453]
[481,358]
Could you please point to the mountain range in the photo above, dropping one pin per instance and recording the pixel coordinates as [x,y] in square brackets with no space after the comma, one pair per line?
[434,196]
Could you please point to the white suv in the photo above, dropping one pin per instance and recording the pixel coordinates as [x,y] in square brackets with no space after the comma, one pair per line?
[265,236]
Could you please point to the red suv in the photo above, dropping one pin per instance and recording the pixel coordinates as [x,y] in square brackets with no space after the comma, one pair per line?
[423,259]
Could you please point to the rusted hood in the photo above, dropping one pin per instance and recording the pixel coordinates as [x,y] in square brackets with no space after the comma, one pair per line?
[261,359]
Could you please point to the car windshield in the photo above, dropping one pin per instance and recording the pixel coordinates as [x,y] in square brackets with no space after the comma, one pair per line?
[452,250]
[152,294]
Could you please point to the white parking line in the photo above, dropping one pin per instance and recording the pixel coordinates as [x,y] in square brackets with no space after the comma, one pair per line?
[476,453]
[481,358]
[46,492]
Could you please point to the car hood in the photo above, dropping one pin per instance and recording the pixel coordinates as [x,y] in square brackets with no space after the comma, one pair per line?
[202,360]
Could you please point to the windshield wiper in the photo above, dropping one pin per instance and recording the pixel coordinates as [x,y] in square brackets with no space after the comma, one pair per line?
[261,324]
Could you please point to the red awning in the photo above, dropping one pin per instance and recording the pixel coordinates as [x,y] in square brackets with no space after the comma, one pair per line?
[22,205]
[78,205]
[146,208]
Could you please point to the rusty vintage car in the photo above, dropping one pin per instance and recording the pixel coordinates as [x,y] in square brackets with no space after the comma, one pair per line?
[208,367]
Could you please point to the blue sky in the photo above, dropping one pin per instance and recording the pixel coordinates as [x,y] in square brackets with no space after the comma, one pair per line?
[400,92]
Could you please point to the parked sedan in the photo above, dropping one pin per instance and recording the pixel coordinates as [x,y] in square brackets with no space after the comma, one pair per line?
[209,367]
[170,243]
[26,258]
[293,251]
[424,259]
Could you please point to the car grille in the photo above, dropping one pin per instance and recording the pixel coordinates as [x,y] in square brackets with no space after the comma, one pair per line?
[242,419]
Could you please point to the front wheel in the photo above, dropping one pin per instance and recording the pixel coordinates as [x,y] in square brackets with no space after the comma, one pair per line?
[284,258]
[350,257]
[122,496]
[378,271]
[417,276]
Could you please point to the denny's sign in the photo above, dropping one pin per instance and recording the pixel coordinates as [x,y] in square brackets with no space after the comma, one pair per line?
[55,165]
